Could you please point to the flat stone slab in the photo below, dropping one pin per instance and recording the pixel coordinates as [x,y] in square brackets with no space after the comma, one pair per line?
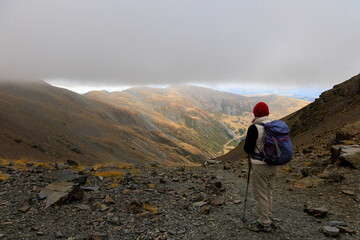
[199,204]
[337,223]
[331,231]
[90,188]
[82,206]
[317,212]
[59,193]
[309,182]
[67,176]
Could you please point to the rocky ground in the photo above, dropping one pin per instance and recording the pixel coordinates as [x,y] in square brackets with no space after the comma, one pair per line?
[175,203]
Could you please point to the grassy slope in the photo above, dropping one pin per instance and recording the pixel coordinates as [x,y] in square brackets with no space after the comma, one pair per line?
[140,125]
[41,122]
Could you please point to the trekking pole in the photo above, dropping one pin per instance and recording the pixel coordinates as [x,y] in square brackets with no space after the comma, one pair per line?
[247,188]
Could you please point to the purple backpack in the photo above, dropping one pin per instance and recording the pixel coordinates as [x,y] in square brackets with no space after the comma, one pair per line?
[278,148]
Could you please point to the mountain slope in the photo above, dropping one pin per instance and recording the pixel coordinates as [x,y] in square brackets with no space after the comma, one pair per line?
[42,122]
[170,126]
[336,110]
[201,117]
[333,110]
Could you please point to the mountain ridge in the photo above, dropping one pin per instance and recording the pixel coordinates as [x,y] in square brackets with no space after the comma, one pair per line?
[137,126]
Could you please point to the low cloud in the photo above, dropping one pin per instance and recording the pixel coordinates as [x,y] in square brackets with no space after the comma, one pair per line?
[126,43]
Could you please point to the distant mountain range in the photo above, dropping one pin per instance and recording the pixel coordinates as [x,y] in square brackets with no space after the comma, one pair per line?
[310,96]
[175,125]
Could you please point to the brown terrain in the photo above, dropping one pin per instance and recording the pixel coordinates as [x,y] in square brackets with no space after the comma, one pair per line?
[181,125]
[317,194]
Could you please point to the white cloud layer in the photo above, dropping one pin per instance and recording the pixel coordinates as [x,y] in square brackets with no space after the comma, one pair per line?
[124,43]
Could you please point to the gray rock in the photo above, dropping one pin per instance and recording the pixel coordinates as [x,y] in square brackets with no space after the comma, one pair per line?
[2,235]
[346,229]
[82,206]
[199,204]
[331,231]
[172,232]
[347,155]
[205,209]
[24,208]
[109,200]
[89,169]
[59,234]
[90,188]
[59,193]
[99,236]
[309,182]
[337,223]
[60,166]
[114,221]
[317,212]
[41,196]
[332,175]
[216,201]
[348,192]
[67,176]
[210,162]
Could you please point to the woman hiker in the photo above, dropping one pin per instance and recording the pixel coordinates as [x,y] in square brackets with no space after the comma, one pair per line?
[263,174]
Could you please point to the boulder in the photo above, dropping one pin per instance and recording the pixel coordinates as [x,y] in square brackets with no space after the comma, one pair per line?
[72,162]
[348,156]
[59,193]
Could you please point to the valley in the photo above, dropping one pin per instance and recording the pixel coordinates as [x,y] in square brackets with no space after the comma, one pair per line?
[178,125]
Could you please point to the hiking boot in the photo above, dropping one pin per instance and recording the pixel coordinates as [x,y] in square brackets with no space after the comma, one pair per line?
[274,224]
[257,227]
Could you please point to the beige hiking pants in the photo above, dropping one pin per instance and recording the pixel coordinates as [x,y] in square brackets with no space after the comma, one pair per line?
[263,176]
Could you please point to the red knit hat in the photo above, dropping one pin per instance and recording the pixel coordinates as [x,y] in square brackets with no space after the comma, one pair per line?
[261,110]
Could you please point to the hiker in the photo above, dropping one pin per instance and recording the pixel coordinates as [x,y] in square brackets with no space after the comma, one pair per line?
[263,174]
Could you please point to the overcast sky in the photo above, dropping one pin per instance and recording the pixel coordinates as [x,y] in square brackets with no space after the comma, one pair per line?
[113,44]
